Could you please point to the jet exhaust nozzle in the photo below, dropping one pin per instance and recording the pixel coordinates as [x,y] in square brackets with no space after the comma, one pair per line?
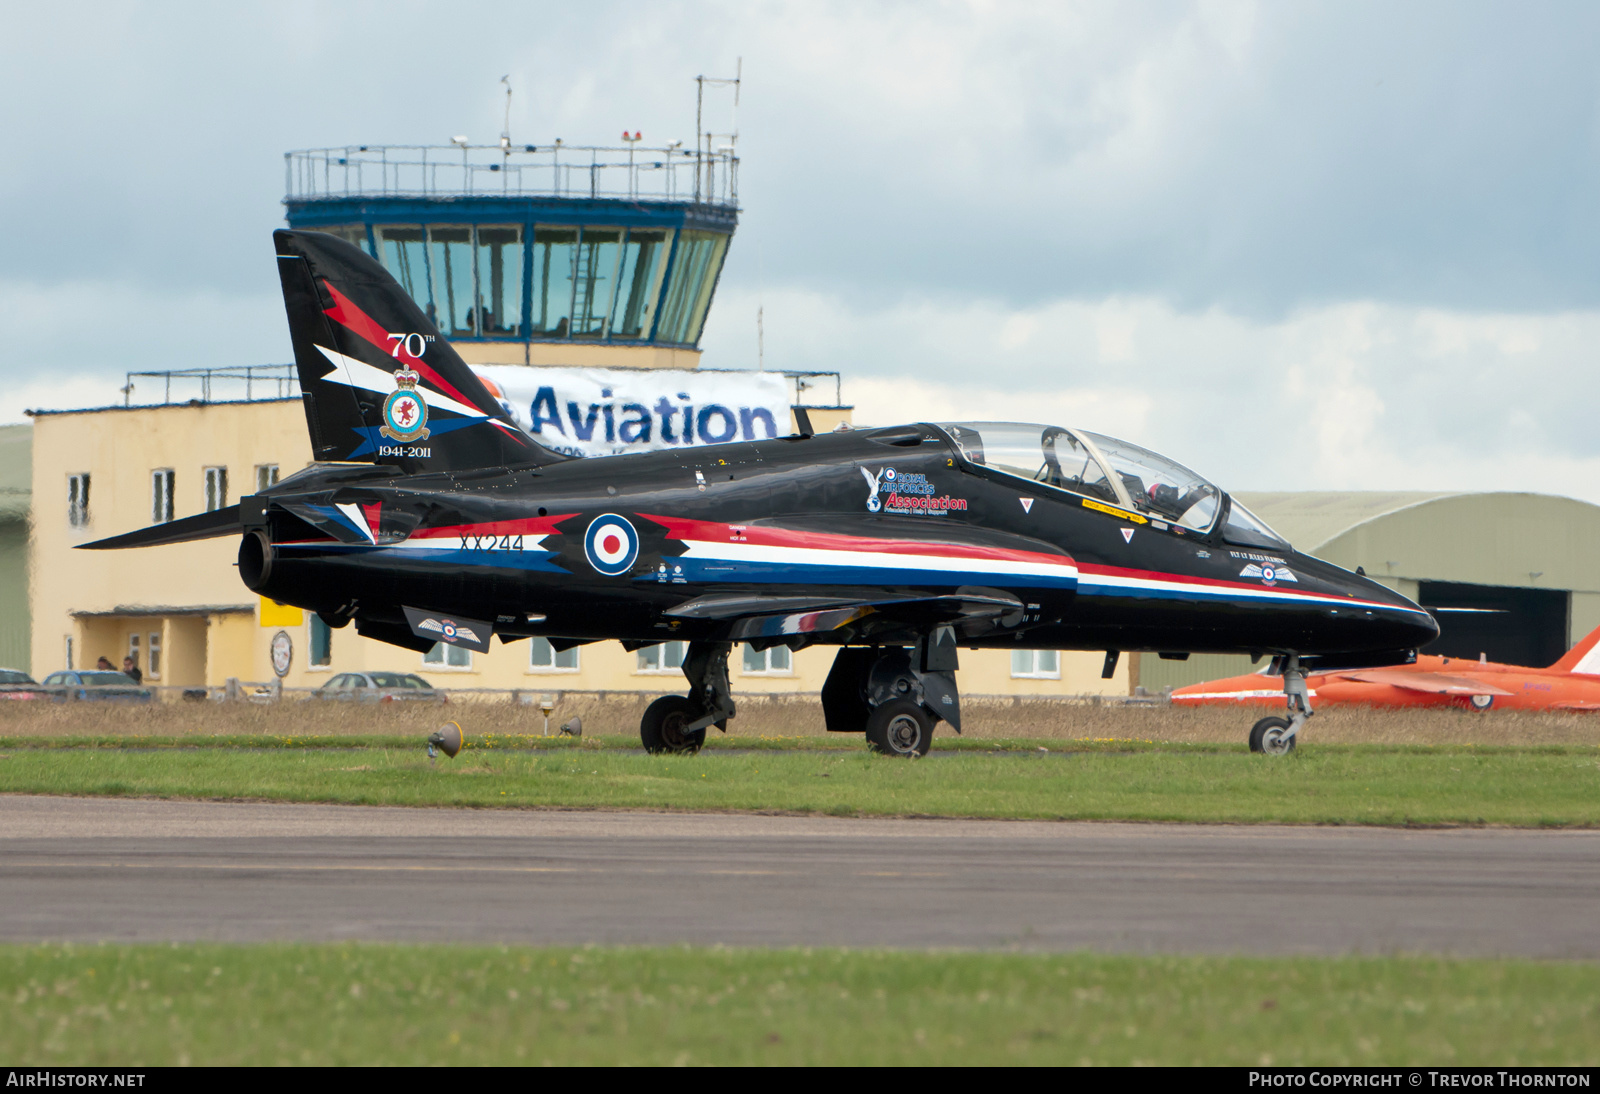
[255,560]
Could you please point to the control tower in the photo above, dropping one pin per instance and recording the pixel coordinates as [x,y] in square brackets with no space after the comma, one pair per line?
[546,254]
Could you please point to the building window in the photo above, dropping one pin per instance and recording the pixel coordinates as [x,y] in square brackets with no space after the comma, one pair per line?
[638,284]
[216,488]
[133,648]
[445,656]
[694,276]
[78,500]
[554,262]
[450,258]
[402,253]
[1036,664]
[161,495]
[543,657]
[69,652]
[594,281]
[266,475]
[775,661]
[152,655]
[499,281]
[321,643]
[667,657]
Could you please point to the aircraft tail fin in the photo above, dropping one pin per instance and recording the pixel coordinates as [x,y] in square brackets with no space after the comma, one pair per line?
[1582,658]
[380,383]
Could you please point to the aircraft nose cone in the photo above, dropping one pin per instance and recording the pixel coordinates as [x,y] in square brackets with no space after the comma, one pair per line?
[1421,630]
[1407,623]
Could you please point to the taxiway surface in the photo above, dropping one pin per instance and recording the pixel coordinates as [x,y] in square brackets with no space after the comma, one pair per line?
[136,870]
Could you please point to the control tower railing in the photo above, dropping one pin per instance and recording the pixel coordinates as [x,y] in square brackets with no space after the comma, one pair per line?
[251,383]
[674,174]
[223,384]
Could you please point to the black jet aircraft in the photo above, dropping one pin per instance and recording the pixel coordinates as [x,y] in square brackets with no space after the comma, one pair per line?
[431,516]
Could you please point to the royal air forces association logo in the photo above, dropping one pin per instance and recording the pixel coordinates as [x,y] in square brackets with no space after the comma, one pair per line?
[875,487]
[405,411]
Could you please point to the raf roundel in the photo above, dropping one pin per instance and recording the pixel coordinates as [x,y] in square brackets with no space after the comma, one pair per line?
[611,544]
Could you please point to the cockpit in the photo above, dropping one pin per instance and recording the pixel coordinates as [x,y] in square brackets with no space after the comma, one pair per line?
[1110,470]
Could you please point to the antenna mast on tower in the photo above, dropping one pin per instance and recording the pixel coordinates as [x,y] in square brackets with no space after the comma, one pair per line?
[704,140]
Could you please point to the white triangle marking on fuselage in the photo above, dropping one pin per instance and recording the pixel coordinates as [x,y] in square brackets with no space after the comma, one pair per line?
[1027,504]
[358,518]
[1127,535]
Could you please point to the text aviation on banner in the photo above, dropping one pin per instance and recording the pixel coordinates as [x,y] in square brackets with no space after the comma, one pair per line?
[607,412]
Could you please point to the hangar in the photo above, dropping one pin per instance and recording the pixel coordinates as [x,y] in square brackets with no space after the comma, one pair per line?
[1510,576]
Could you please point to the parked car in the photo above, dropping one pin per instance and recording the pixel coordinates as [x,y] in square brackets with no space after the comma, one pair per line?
[16,684]
[376,687]
[96,686]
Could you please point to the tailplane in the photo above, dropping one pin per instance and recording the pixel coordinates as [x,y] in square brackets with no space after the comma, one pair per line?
[380,384]
[1582,658]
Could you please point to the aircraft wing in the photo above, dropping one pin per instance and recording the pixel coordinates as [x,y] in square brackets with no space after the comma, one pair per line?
[345,516]
[756,616]
[1434,683]
[212,525]
[1575,704]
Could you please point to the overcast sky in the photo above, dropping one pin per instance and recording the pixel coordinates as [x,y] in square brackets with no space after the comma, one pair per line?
[1295,245]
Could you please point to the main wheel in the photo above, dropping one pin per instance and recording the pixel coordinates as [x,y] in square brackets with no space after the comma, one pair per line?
[661,728]
[1268,736]
[1480,702]
[900,727]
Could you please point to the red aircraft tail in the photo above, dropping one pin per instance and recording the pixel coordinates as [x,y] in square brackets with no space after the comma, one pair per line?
[1582,658]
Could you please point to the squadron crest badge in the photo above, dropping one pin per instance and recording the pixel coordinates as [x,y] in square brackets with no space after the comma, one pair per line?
[405,411]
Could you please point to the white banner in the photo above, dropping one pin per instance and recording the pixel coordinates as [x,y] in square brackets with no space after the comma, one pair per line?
[606,412]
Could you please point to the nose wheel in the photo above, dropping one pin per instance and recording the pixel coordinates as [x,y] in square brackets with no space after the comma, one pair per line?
[1276,736]
[1272,736]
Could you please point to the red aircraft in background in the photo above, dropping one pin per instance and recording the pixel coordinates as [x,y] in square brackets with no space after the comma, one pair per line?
[1572,683]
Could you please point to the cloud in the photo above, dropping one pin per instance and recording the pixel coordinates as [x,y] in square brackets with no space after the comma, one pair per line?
[1327,244]
[96,331]
[1255,157]
[1347,396]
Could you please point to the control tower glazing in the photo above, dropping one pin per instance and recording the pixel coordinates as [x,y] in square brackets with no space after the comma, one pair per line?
[542,255]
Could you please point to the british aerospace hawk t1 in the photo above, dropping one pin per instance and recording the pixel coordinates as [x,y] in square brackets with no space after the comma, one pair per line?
[431,516]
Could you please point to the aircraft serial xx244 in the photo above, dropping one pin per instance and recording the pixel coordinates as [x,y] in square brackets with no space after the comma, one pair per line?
[430,516]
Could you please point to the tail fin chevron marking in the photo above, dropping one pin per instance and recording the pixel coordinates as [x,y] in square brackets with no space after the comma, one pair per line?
[354,328]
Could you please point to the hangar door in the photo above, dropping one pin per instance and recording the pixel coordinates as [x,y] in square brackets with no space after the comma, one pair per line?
[1512,625]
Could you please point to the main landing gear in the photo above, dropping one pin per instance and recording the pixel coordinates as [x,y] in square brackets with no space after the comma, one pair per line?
[894,695]
[677,723]
[1276,736]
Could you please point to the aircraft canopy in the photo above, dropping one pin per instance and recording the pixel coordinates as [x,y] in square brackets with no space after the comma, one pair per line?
[1112,470]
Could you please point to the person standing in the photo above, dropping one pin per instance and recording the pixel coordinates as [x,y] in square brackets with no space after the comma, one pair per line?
[131,668]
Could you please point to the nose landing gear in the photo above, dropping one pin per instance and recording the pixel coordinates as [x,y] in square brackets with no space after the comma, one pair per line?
[1276,736]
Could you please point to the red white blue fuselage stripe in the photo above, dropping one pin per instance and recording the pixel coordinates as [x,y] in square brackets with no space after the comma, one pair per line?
[1116,581]
[775,556]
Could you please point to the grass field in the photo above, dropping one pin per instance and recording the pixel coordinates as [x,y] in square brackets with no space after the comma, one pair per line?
[1554,785]
[368,1004]
[617,715]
